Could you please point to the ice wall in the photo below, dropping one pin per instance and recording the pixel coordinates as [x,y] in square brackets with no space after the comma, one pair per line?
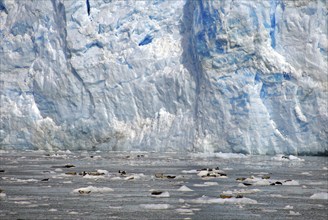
[232,76]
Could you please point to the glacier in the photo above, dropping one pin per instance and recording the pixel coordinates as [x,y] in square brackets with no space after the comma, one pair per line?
[191,76]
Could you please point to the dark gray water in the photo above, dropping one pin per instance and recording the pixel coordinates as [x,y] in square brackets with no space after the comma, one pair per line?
[35,186]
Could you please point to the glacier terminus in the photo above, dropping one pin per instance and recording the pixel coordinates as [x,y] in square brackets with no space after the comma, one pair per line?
[246,76]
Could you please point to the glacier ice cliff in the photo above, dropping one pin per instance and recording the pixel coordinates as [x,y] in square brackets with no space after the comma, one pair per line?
[187,75]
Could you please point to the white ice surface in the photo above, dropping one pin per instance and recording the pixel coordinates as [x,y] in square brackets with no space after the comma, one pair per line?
[213,76]
[212,200]
[322,195]
[92,189]
[155,206]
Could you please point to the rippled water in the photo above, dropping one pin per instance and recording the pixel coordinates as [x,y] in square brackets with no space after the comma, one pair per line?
[34,186]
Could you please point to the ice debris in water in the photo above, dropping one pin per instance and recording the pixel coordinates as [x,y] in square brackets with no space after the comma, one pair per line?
[155,206]
[212,200]
[281,157]
[211,172]
[241,191]
[2,194]
[264,181]
[184,211]
[92,189]
[185,189]
[288,207]
[189,171]
[206,184]
[321,195]
[294,213]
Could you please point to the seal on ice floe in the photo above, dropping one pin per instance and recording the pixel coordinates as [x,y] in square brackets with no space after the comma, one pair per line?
[211,172]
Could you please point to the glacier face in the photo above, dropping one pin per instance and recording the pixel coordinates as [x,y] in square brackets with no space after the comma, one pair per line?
[204,76]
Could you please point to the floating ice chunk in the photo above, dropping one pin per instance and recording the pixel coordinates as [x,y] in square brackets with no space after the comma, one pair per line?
[291,183]
[317,183]
[265,181]
[212,172]
[155,206]
[269,210]
[24,181]
[211,200]
[189,171]
[294,213]
[117,178]
[115,207]
[288,207]
[87,176]
[206,184]
[32,206]
[281,157]
[203,173]
[67,182]
[73,213]
[241,191]
[103,172]
[185,211]
[52,210]
[23,202]
[262,182]
[241,185]
[2,195]
[211,183]
[185,189]
[89,189]
[321,195]
[276,196]
[291,157]
[135,176]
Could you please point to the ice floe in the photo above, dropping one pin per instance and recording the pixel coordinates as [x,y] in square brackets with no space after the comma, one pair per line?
[184,211]
[281,157]
[185,189]
[189,171]
[212,172]
[241,191]
[288,207]
[92,189]
[212,200]
[155,206]
[2,195]
[321,195]
[264,181]
[206,184]
[294,213]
